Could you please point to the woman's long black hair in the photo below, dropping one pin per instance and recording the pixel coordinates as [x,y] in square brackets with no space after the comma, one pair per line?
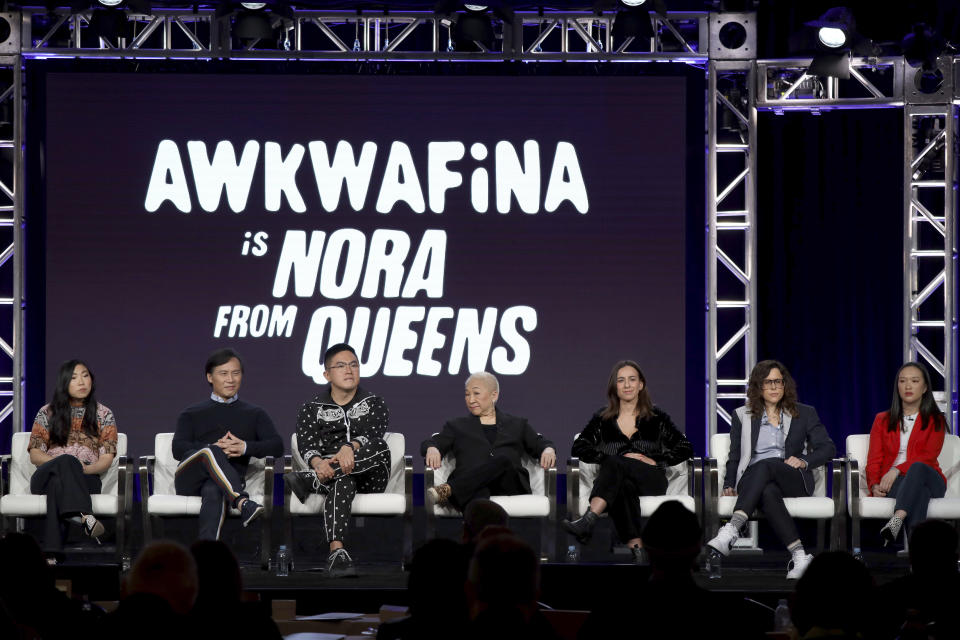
[60,408]
[928,405]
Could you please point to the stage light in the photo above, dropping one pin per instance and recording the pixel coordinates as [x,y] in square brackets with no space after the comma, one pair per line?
[111,23]
[632,23]
[922,46]
[834,65]
[110,3]
[475,7]
[474,26]
[832,37]
[633,3]
[253,6]
[835,28]
[252,25]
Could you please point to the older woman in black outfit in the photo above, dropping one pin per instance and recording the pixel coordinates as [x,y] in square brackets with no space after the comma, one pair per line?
[633,442]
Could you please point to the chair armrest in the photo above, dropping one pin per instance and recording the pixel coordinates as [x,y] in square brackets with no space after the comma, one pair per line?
[695,483]
[269,471]
[408,483]
[145,468]
[550,489]
[573,487]
[711,491]
[853,472]
[836,482]
[5,473]
[124,473]
[287,491]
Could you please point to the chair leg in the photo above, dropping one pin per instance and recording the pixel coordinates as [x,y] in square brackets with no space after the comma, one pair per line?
[855,534]
[821,535]
[407,539]
[266,541]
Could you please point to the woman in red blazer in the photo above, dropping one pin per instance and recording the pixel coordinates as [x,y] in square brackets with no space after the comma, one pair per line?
[905,443]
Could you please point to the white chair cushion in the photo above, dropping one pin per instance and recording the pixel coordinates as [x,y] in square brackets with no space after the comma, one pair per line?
[678,488]
[364,504]
[720,450]
[166,502]
[526,506]
[810,507]
[946,508]
[392,502]
[21,503]
[515,506]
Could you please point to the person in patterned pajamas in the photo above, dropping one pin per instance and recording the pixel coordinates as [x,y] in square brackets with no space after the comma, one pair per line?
[340,436]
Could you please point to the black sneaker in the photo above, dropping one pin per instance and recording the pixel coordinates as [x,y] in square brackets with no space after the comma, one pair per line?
[250,511]
[301,483]
[340,565]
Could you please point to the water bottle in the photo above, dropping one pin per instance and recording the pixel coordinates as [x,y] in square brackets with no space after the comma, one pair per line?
[712,564]
[573,554]
[283,561]
[858,555]
[781,616]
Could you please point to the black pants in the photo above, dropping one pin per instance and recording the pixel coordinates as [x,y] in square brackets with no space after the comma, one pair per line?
[208,473]
[497,477]
[620,482]
[914,490]
[68,491]
[765,484]
[371,471]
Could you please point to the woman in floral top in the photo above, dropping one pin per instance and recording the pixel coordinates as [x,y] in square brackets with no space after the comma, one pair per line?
[73,441]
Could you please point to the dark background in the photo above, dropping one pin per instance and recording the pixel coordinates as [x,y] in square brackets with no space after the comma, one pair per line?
[136,294]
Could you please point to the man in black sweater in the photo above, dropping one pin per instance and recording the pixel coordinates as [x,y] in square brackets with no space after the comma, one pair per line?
[214,442]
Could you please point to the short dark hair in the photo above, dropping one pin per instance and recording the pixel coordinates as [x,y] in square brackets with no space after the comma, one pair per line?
[482,513]
[334,350]
[222,356]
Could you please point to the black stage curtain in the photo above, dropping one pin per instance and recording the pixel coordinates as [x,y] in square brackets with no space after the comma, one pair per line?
[830,237]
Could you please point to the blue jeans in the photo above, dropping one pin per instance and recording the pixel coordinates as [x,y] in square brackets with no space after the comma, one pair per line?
[914,490]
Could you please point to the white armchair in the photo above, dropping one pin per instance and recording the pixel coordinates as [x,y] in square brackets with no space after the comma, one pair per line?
[113,501]
[163,501]
[395,501]
[684,484]
[861,505]
[541,503]
[819,506]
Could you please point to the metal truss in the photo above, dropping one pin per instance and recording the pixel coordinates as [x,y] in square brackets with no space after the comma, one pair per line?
[366,36]
[11,240]
[930,246]
[731,237]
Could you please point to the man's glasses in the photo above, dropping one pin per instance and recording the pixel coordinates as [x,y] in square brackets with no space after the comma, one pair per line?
[340,366]
[776,383]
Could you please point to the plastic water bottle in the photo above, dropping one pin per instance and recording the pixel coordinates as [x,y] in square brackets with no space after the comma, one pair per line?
[858,555]
[781,616]
[283,561]
[712,564]
[573,554]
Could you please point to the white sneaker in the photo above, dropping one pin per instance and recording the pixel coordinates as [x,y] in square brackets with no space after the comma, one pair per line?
[724,539]
[797,565]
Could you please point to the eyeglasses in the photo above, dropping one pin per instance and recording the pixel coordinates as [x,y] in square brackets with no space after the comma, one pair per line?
[776,383]
[340,366]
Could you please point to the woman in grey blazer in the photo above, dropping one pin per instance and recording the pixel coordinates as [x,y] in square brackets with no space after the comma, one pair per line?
[775,443]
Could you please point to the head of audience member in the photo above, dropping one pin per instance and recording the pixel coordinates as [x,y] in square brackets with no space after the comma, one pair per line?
[76,385]
[480,392]
[218,574]
[628,385]
[480,514]
[771,384]
[835,592]
[224,370]
[437,574]
[341,368]
[167,570]
[20,556]
[673,539]
[504,576]
[933,549]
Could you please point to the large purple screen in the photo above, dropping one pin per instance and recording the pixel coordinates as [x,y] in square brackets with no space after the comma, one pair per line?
[533,227]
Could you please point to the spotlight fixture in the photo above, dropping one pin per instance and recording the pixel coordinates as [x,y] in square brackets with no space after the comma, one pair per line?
[111,23]
[110,3]
[834,28]
[475,26]
[922,46]
[633,3]
[252,25]
[253,6]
